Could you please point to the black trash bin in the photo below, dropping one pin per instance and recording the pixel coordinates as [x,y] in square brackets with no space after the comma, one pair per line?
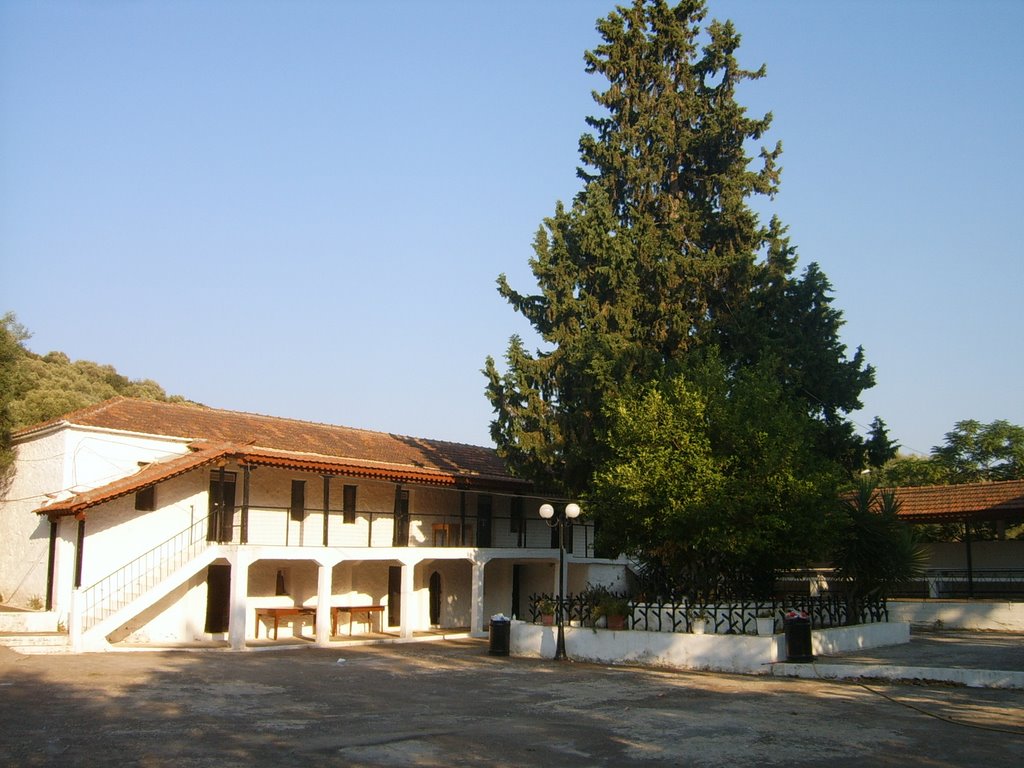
[501,634]
[798,636]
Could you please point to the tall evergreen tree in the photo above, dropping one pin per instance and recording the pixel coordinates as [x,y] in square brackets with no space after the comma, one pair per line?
[660,255]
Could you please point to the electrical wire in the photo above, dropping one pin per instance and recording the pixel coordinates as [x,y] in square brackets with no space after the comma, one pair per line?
[944,718]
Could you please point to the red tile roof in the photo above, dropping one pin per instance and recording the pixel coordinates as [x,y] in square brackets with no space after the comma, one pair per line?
[271,441]
[975,501]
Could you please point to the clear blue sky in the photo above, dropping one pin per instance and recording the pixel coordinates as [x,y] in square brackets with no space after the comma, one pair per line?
[300,208]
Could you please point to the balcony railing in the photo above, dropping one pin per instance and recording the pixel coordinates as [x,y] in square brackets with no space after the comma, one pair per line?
[277,526]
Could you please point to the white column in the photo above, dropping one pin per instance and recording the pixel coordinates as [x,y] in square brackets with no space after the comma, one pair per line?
[408,611]
[64,603]
[239,598]
[323,604]
[476,621]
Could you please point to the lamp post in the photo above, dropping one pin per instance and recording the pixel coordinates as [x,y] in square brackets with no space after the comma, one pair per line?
[560,520]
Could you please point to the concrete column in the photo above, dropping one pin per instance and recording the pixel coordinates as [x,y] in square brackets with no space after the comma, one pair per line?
[323,604]
[476,621]
[63,576]
[408,611]
[239,598]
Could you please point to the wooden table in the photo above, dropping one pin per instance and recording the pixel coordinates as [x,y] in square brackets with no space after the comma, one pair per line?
[280,613]
[352,611]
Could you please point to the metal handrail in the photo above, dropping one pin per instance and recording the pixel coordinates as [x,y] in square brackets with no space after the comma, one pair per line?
[116,590]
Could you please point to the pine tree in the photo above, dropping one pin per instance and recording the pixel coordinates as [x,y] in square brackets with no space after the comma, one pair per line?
[661,255]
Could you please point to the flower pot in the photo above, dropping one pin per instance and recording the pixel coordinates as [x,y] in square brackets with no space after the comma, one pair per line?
[765,625]
[699,626]
[616,622]
[547,619]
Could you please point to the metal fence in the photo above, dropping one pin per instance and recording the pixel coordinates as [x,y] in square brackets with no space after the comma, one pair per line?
[1001,583]
[737,617]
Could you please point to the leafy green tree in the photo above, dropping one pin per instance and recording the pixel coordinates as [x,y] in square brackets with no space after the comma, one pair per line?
[975,452]
[660,256]
[972,452]
[875,550]
[911,471]
[713,482]
[12,336]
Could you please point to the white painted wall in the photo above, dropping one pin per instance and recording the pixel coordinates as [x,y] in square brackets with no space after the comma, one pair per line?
[94,457]
[24,535]
[456,588]
[116,533]
[748,654]
[54,464]
[960,614]
[612,574]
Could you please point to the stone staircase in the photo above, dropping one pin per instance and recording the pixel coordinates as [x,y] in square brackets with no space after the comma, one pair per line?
[32,631]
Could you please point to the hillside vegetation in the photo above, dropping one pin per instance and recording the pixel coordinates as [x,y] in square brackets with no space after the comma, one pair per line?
[35,388]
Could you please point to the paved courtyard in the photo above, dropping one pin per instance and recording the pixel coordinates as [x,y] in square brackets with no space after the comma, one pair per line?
[451,704]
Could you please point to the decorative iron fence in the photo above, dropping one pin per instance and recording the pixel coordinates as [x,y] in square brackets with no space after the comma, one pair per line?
[738,617]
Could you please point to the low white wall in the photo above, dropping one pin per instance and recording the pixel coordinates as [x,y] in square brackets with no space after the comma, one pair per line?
[829,642]
[748,654]
[28,621]
[960,614]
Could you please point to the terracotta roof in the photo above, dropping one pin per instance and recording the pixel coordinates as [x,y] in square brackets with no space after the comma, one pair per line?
[271,441]
[975,501]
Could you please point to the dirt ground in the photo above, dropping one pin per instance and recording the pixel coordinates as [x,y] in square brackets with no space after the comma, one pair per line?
[452,704]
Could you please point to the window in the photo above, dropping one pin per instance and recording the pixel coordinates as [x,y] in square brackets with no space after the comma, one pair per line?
[516,518]
[221,506]
[298,508]
[348,504]
[145,499]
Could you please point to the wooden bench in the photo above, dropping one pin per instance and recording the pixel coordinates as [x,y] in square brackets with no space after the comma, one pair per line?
[280,613]
[353,611]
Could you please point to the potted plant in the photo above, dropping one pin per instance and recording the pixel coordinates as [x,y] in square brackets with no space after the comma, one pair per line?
[613,609]
[765,622]
[546,609]
[699,619]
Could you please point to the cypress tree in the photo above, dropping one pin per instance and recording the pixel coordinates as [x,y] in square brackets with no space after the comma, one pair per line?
[661,256]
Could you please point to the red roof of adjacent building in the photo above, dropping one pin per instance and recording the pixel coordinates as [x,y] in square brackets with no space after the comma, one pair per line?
[271,441]
[975,501]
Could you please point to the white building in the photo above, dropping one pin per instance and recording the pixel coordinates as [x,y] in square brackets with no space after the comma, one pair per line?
[153,522]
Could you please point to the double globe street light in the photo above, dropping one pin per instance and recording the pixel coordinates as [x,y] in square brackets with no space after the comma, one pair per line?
[560,520]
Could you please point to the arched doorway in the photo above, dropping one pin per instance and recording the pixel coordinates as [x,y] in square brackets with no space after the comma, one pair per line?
[435,599]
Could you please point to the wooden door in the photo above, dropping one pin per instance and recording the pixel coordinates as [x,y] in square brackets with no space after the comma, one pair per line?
[394,595]
[218,598]
[435,599]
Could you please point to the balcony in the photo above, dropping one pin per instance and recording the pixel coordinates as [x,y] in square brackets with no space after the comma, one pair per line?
[280,527]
